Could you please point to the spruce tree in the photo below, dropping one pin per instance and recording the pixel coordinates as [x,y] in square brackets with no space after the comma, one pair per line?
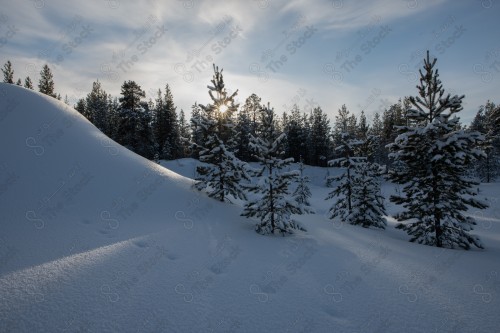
[28,83]
[222,172]
[347,150]
[8,72]
[166,126]
[46,82]
[302,193]
[184,134]
[197,132]
[319,138]
[368,208]
[19,82]
[273,204]
[134,126]
[97,107]
[486,122]
[436,156]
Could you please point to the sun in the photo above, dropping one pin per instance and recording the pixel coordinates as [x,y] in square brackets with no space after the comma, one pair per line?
[223,108]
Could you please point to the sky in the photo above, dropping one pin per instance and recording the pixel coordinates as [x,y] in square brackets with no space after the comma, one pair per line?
[364,54]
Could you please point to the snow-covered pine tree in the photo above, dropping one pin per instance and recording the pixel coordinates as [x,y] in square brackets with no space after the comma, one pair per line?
[19,82]
[344,190]
[8,73]
[274,203]
[222,172]
[368,208]
[302,193]
[28,83]
[46,82]
[436,155]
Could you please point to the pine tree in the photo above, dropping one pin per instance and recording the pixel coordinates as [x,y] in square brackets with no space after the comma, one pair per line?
[166,127]
[347,150]
[8,73]
[243,134]
[367,203]
[319,138]
[185,134]
[379,154]
[97,107]
[486,122]
[197,132]
[274,204]
[295,136]
[222,172]
[436,156]
[134,127]
[28,83]
[19,82]
[302,193]
[46,82]
[80,107]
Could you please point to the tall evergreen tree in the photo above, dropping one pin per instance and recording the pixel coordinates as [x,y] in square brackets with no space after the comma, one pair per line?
[319,138]
[8,72]
[243,134]
[197,132]
[134,127]
[185,134]
[376,130]
[97,107]
[46,82]
[486,122]
[222,172]
[28,83]
[295,136]
[274,204]
[166,127]
[436,156]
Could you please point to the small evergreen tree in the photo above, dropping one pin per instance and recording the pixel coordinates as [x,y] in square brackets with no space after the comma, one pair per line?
[436,155]
[8,72]
[19,82]
[302,193]
[274,204]
[348,160]
[46,82]
[367,203]
[28,83]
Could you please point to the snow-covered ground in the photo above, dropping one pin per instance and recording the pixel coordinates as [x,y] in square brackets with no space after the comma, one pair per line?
[94,238]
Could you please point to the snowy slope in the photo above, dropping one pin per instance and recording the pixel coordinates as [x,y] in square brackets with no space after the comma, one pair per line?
[95,238]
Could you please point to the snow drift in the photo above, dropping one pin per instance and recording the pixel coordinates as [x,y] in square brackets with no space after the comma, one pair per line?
[95,238]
